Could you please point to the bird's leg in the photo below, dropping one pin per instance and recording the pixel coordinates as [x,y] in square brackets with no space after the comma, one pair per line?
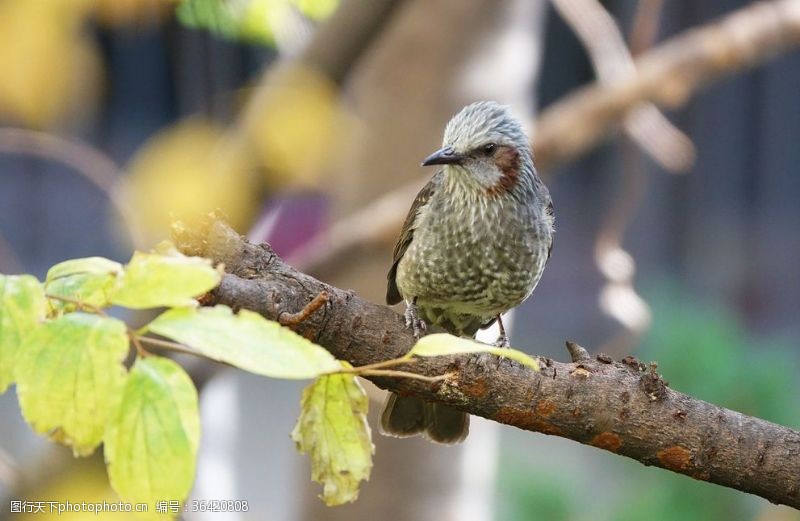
[412,318]
[502,340]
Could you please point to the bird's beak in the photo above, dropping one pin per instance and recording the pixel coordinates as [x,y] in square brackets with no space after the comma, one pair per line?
[445,156]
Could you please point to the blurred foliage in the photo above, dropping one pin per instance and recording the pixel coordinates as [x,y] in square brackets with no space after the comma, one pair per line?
[250,20]
[293,131]
[115,13]
[703,349]
[298,126]
[49,64]
[528,496]
[185,171]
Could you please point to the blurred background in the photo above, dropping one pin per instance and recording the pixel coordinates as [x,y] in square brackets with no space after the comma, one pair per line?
[305,122]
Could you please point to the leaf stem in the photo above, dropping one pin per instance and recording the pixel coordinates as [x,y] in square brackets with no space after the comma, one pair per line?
[380,365]
[169,345]
[403,374]
[141,351]
[81,305]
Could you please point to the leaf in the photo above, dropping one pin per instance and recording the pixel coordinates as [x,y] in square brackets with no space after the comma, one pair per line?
[50,71]
[154,280]
[250,20]
[70,376]
[99,265]
[246,340]
[89,280]
[22,308]
[302,110]
[151,444]
[441,344]
[333,430]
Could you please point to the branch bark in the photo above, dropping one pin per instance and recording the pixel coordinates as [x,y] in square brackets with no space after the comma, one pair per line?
[624,407]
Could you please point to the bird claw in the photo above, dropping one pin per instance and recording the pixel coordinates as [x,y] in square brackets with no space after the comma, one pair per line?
[502,341]
[413,321]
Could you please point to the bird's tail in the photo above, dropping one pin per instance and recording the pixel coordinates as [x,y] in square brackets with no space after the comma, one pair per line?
[405,416]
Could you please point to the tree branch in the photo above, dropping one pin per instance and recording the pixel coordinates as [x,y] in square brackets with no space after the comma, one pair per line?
[624,407]
[613,63]
[668,75]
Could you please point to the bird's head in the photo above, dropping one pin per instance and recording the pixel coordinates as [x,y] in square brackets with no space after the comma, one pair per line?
[485,147]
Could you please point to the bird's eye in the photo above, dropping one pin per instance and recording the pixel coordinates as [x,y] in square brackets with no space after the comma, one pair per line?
[489,148]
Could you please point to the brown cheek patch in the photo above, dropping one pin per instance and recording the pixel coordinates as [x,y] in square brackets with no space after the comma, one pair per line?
[508,161]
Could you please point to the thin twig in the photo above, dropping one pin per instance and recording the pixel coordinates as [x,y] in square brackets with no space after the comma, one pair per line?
[644,28]
[619,297]
[141,351]
[668,76]
[404,374]
[169,345]
[293,319]
[612,61]
[382,365]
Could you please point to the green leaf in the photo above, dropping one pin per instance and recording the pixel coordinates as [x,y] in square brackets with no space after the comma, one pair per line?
[69,378]
[246,340]
[333,430]
[151,444]
[250,20]
[22,309]
[443,344]
[97,265]
[89,288]
[155,280]
[89,280]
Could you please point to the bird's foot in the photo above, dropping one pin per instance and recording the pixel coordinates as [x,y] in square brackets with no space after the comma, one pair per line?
[413,321]
[502,341]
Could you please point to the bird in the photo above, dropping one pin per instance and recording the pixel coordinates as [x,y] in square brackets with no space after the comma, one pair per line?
[473,246]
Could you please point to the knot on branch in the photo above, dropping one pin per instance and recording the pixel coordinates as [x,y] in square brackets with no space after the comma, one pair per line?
[652,384]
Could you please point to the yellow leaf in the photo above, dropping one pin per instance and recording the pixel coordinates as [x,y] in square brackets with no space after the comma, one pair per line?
[333,430]
[70,376]
[298,126]
[246,340]
[442,344]
[22,308]
[155,280]
[48,64]
[151,443]
[185,171]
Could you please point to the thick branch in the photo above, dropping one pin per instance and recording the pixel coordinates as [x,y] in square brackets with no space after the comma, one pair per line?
[623,407]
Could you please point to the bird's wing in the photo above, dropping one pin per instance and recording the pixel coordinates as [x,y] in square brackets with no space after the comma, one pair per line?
[550,247]
[407,234]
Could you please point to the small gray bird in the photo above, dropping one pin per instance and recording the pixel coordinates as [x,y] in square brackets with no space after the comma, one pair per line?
[473,246]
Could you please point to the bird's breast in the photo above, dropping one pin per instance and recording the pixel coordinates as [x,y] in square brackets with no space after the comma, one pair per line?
[472,258]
